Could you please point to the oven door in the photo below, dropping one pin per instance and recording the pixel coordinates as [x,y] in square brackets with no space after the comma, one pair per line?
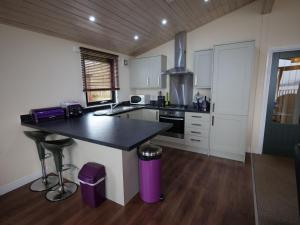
[177,130]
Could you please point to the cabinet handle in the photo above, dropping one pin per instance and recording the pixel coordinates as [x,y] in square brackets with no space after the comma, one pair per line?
[197,116]
[195,132]
[156,115]
[158,81]
[192,139]
[212,120]
[213,107]
[127,115]
[148,81]
[197,124]
[196,80]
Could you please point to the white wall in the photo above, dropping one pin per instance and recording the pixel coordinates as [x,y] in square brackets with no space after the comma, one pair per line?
[278,29]
[36,71]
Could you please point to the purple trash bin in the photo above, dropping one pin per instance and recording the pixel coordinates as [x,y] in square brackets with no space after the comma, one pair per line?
[149,173]
[92,184]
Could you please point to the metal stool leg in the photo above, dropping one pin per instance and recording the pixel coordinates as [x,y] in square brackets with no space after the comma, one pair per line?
[45,182]
[65,189]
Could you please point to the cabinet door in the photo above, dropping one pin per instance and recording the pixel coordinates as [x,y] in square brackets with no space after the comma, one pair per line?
[157,65]
[232,78]
[203,64]
[154,72]
[136,115]
[139,74]
[146,72]
[228,136]
[151,115]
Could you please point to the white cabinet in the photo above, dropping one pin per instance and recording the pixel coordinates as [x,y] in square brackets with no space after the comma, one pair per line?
[146,72]
[150,115]
[203,65]
[228,136]
[196,131]
[138,75]
[232,81]
[136,115]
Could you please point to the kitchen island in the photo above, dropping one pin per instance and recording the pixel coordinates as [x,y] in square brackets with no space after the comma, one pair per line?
[107,140]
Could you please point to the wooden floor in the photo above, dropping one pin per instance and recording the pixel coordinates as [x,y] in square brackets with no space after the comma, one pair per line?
[199,190]
[276,190]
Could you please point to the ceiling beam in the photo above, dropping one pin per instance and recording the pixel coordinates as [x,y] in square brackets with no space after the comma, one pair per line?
[267,6]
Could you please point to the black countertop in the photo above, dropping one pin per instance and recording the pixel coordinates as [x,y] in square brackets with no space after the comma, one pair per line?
[124,134]
[137,107]
[184,109]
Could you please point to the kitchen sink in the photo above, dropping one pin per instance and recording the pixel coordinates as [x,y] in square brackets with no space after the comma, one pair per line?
[109,112]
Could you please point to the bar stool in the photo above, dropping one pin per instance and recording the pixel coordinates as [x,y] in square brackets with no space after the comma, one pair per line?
[65,189]
[46,181]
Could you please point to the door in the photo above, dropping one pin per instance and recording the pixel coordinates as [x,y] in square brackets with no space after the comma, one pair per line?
[232,80]
[177,130]
[203,63]
[282,128]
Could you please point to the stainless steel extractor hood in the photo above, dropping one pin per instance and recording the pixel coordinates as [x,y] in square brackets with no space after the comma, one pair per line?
[180,56]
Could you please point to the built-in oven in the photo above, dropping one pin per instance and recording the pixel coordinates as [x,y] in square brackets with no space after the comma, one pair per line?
[177,119]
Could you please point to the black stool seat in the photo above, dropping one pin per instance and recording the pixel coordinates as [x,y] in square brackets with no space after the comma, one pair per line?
[38,137]
[58,144]
[65,189]
[46,181]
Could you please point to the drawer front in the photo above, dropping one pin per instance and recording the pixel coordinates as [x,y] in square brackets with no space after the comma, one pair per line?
[203,125]
[196,131]
[205,117]
[196,141]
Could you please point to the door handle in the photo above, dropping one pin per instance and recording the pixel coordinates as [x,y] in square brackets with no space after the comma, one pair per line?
[197,117]
[171,118]
[196,124]
[213,107]
[195,132]
[192,139]
[212,120]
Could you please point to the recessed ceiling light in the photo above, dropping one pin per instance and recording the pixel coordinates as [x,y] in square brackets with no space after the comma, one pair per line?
[92,19]
[206,0]
[164,21]
[136,37]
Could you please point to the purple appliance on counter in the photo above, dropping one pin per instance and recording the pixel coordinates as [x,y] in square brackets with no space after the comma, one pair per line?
[92,184]
[46,114]
[149,173]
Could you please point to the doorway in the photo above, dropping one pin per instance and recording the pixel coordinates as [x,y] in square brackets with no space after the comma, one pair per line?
[282,128]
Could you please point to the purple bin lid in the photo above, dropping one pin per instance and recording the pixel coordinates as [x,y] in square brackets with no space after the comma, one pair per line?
[91,172]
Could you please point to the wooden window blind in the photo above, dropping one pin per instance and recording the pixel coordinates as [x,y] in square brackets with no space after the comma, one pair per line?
[99,70]
[99,76]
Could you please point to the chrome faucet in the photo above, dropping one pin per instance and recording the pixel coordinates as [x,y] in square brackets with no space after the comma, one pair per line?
[114,105]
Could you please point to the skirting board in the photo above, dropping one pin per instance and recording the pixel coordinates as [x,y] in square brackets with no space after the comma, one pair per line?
[20,182]
[180,146]
[228,155]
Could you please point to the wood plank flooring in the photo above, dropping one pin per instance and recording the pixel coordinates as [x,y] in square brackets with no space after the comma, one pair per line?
[199,190]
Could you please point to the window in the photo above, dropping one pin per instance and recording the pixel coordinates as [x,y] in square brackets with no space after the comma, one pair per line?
[100,76]
[286,108]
